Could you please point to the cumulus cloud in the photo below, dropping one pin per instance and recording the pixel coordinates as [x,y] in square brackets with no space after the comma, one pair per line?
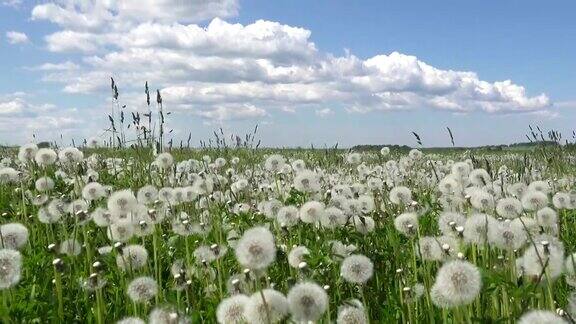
[324,112]
[223,71]
[15,37]
[11,3]
[21,117]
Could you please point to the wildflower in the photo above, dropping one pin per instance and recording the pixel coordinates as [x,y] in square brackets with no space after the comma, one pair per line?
[353,158]
[297,255]
[352,313]
[461,169]
[44,184]
[534,200]
[509,207]
[70,247]
[13,236]
[385,151]
[163,315]
[543,255]
[307,181]
[430,248]
[287,216]
[8,175]
[448,221]
[547,217]
[357,269]
[307,302]
[274,163]
[256,249]
[132,257]
[27,152]
[45,217]
[93,191]
[311,212]
[406,223]
[122,202]
[121,230]
[561,200]
[131,320]
[45,157]
[400,195]
[231,309]
[476,228]
[363,225]
[539,185]
[142,289]
[479,177]
[506,235]
[70,155]
[164,160]
[540,317]
[10,268]
[459,283]
[482,200]
[266,306]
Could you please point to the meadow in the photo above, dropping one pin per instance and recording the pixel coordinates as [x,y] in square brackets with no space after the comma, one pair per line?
[251,235]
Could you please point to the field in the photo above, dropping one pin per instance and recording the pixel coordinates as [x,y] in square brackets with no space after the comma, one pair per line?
[252,235]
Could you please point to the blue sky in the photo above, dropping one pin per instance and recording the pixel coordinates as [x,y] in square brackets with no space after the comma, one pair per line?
[311,72]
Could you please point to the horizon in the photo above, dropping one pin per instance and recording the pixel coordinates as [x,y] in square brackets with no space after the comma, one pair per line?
[354,74]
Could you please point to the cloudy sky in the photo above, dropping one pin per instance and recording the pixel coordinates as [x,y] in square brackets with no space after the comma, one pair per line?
[308,72]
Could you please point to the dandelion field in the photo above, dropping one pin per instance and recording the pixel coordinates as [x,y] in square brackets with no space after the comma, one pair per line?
[247,235]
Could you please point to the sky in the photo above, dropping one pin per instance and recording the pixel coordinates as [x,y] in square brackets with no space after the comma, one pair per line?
[307,72]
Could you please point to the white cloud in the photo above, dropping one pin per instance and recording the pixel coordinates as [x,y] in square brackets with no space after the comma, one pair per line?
[15,37]
[21,118]
[11,3]
[324,112]
[224,71]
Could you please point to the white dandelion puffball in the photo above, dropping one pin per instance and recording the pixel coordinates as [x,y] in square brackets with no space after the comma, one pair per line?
[541,317]
[352,314]
[297,255]
[509,207]
[142,289]
[400,195]
[10,268]
[449,221]
[534,200]
[231,310]
[274,163]
[71,247]
[164,160]
[266,306]
[307,302]
[121,230]
[311,212]
[122,202]
[476,228]
[459,281]
[44,184]
[333,217]
[93,191]
[357,269]
[27,152]
[13,236]
[147,194]
[537,257]
[131,320]
[307,181]
[166,314]
[256,248]
[385,151]
[133,257]
[406,223]
[70,155]
[287,216]
[45,157]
